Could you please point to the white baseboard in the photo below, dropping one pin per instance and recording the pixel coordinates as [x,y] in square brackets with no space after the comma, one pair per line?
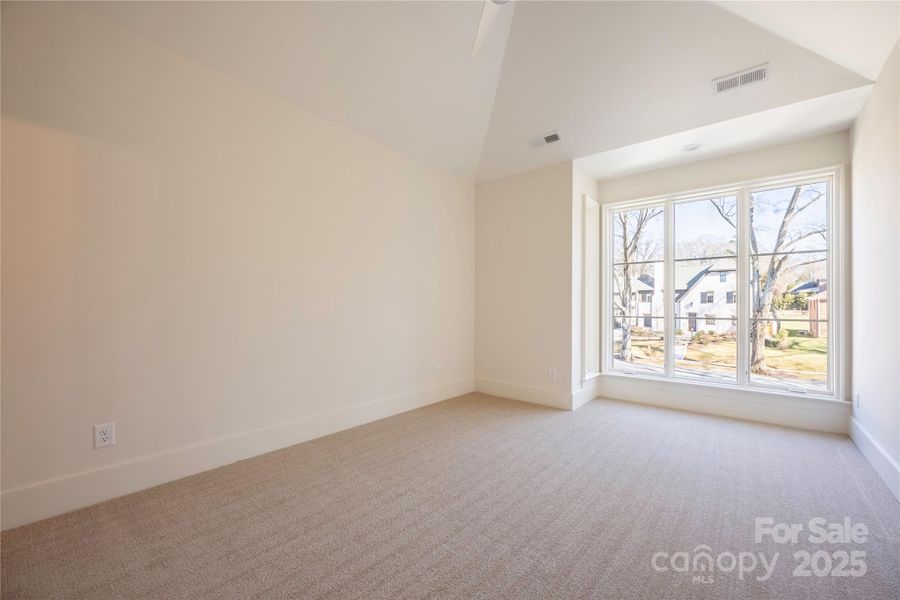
[590,389]
[524,393]
[886,467]
[48,498]
[830,416]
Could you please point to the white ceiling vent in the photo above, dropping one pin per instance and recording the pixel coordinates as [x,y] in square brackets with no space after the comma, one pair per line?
[543,140]
[741,79]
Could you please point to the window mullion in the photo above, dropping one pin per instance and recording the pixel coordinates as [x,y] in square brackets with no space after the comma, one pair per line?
[743,287]
[607,258]
[834,229]
[641,357]
[669,289]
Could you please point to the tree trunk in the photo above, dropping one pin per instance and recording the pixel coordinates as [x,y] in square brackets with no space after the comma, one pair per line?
[630,250]
[626,341]
[762,287]
[763,294]
[757,348]
[625,292]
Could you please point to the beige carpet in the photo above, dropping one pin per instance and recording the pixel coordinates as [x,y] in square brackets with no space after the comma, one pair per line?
[476,497]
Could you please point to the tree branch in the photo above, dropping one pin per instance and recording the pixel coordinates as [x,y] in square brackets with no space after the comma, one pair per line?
[808,234]
[720,208]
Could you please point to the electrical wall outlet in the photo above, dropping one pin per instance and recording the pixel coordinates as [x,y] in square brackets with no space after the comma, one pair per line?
[551,374]
[436,370]
[104,435]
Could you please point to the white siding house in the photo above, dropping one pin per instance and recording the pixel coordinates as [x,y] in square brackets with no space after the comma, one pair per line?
[705,298]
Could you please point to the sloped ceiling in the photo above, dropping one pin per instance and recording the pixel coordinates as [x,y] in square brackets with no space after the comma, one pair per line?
[857,34]
[606,74]
[399,72]
[610,74]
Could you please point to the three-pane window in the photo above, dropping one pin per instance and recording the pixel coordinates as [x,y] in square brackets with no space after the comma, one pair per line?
[770,241]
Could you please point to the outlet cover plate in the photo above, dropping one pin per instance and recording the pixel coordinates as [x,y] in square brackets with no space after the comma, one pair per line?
[104,435]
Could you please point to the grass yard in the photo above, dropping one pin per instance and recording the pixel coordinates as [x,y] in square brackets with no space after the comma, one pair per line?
[802,358]
[646,348]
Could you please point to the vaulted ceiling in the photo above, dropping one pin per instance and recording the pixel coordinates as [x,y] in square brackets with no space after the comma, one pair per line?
[858,34]
[607,75]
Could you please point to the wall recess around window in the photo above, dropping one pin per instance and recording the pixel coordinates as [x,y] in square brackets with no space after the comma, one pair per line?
[735,286]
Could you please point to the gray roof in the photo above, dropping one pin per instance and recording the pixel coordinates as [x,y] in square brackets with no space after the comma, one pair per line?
[686,275]
[808,287]
[638,285]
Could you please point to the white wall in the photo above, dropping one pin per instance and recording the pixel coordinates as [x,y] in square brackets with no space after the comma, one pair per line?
[215,270]
[523,300]
[876,274]
[582,185]
[804,155]
[528,307]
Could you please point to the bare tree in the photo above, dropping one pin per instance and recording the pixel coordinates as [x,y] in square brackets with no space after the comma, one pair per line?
[635,248]
[763,285]
[704,247]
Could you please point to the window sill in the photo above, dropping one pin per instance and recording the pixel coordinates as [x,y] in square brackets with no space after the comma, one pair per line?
[591,376]
[758,395]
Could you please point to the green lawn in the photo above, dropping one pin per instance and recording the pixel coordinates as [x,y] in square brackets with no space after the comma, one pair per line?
[803,358]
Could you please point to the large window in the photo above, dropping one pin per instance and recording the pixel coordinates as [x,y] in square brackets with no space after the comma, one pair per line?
[638,266]
[729,286]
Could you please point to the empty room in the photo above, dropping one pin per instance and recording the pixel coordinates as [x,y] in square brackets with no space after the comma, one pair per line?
[450,299]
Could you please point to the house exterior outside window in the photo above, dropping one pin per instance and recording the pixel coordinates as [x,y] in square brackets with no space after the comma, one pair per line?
[718,256]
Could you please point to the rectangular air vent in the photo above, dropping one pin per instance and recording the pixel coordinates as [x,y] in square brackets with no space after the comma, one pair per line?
[543,140]
[740,79]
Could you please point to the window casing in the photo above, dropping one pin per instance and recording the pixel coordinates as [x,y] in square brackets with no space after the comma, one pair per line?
[761,336]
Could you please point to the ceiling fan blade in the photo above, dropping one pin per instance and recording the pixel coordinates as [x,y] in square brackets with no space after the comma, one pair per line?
[489,12]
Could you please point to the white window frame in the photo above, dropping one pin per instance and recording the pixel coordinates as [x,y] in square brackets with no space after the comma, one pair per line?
[836,216]
[588,204]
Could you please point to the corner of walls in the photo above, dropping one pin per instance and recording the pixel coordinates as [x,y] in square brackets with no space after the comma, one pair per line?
[523,289]
[882,462]
[590,389]
[524,393]
[875,272]
[528,278]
